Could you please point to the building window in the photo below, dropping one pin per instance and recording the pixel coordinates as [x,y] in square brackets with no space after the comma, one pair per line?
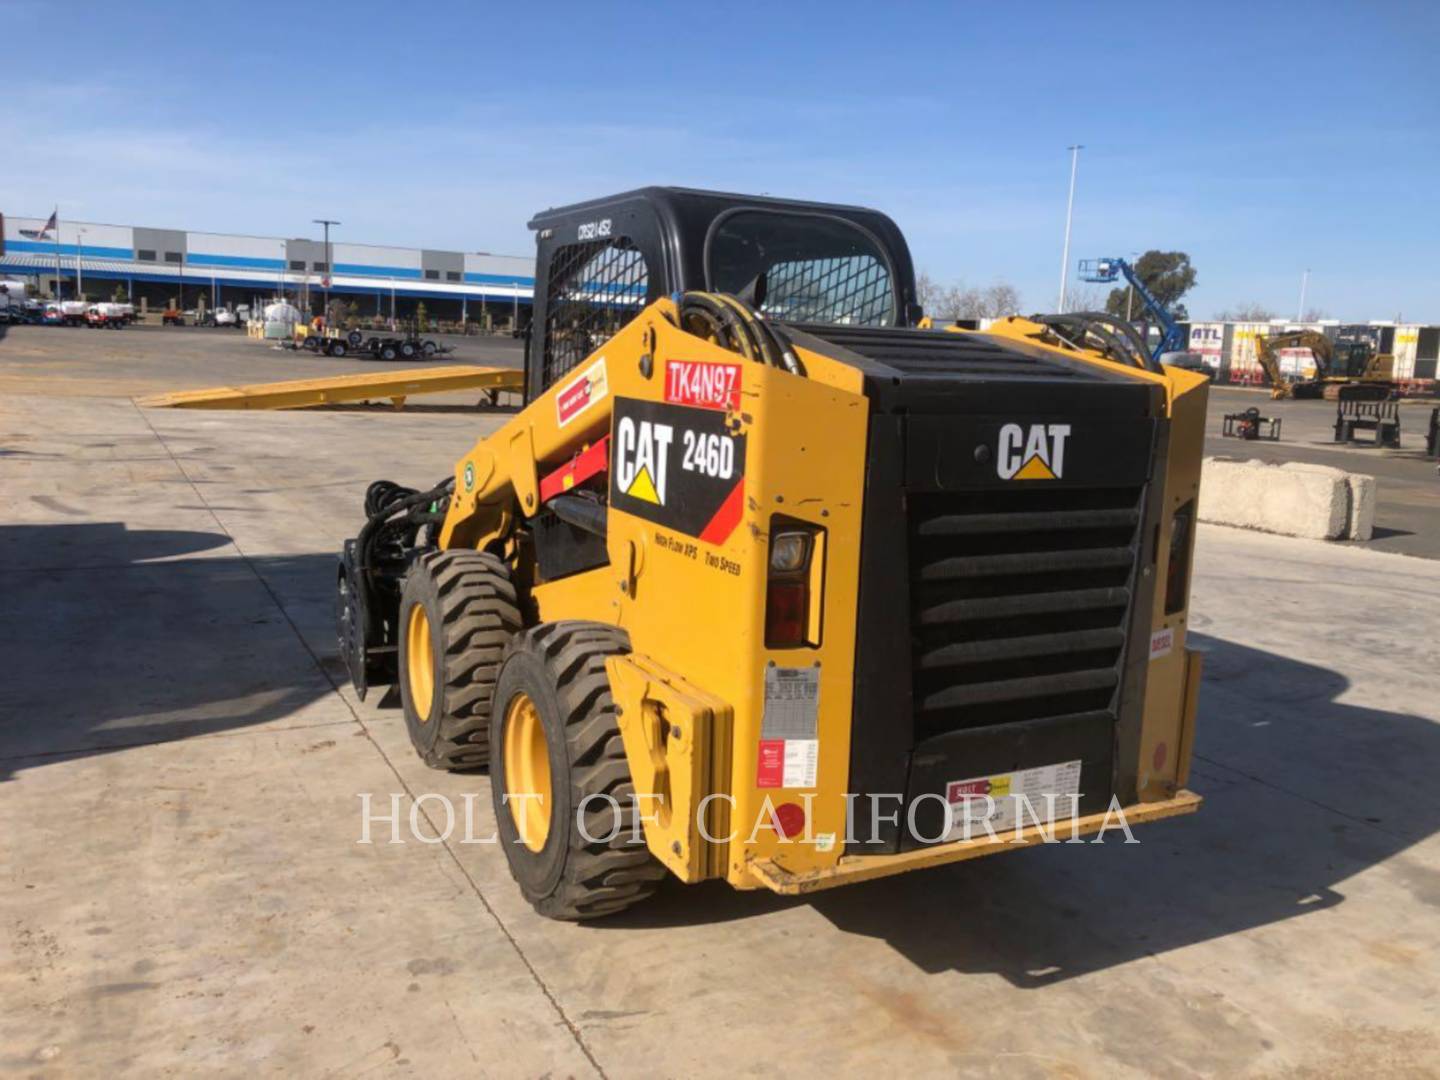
[323,267]
[432,275]
[452,275]
[297,264]
[174,257]
[145,255]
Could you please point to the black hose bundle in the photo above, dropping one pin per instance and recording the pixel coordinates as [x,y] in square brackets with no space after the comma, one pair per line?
[733,324]
[1099,330]
[394,517]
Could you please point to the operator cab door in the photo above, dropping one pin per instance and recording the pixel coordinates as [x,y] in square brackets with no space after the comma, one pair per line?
[596,268]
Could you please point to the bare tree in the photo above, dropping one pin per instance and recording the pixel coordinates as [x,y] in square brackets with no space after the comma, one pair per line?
[1001,299]
[960,301]
[928,292]
[1314,314]
[1085,296]
[1247,312]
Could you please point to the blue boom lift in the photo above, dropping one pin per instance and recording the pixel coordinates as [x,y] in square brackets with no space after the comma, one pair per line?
[1107,271]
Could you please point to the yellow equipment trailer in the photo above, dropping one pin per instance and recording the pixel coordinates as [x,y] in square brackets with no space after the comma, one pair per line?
[767,584]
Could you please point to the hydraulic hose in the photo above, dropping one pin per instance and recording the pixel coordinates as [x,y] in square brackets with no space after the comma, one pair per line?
[733,324]
[1118,340]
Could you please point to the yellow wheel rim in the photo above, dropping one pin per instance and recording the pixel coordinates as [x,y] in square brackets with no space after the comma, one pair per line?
[527,772]
[420,661]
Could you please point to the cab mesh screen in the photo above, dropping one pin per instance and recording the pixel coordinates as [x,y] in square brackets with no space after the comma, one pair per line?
[593,290]
[852,291]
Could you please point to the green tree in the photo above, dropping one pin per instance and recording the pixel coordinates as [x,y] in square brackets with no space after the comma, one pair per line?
[422,318]
[1167,274]
[120,296]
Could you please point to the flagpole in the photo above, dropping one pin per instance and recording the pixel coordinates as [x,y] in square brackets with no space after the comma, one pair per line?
[58,296]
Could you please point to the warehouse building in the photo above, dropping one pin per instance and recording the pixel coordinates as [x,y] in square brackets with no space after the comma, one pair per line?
[158,267]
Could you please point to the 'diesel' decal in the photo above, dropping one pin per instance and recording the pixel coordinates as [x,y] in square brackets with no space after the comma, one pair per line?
[678,467]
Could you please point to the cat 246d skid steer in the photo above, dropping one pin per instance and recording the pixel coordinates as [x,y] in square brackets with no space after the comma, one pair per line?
[765,583]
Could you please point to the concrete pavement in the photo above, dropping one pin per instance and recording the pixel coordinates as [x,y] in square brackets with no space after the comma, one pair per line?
[181,766]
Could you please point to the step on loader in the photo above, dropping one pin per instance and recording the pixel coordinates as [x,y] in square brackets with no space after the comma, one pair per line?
[766,583]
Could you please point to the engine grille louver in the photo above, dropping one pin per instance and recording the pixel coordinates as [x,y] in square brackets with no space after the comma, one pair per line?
[1019,602]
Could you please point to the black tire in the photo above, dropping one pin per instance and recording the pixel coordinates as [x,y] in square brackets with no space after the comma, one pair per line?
[355,338]
[561,668]
[311,343]
[429,348]
[337,348]
[387,352]
[472,611]
[408,350]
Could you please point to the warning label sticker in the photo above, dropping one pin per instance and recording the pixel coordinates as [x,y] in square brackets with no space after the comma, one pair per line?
[1008,793]
[1161,642]
[787,763]
[789,731]
[586,389]
[792,703]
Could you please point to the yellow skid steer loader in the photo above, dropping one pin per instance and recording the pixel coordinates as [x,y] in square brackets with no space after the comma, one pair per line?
[767,584]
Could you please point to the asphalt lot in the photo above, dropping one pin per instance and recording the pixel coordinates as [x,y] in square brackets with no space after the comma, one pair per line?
[150,359]
[181,765]
[1407,510]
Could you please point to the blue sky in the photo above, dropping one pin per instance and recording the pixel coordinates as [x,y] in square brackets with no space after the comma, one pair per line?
[1261,138]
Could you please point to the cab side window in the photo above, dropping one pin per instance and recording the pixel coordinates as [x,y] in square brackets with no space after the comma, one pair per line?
[593,289]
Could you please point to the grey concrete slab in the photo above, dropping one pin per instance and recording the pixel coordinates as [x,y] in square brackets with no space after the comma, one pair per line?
[202,907]
[1288,929]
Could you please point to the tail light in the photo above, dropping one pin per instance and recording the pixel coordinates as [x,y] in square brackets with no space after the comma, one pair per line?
[1177,566]
[791,583]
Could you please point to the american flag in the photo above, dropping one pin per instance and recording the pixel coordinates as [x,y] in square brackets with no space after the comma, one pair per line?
[41,234]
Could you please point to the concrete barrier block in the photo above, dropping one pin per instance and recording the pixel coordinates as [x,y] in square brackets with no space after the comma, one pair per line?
[1314,501]
[1360,524]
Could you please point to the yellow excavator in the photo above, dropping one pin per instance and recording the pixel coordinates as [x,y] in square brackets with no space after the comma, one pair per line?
[1351,364]
[766,584]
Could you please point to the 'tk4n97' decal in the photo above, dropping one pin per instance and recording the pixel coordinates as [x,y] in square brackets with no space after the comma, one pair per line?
[1036,452]
[703,383]
[678,467]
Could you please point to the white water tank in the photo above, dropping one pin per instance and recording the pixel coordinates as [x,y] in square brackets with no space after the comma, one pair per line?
[280,320]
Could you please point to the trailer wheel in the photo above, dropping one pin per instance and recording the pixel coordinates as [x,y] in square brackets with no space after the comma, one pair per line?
[458,610]
[354,338]
[429,348]
[337,348]
[387,352]
[311,343]
[407,350]
[559,760]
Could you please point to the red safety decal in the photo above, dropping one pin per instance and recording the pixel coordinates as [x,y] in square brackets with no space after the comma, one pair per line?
[591,461]
[719,528]
[771,771]
[585,390]
[702,383]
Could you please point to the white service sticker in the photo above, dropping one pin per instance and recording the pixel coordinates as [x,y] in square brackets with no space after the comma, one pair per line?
[1007,790]
[1161,642]
[792,703]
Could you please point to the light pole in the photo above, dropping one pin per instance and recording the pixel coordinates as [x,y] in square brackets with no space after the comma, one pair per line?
[1130,288]
[1069,215]
[1304,282]
[329,264]
[79,270]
